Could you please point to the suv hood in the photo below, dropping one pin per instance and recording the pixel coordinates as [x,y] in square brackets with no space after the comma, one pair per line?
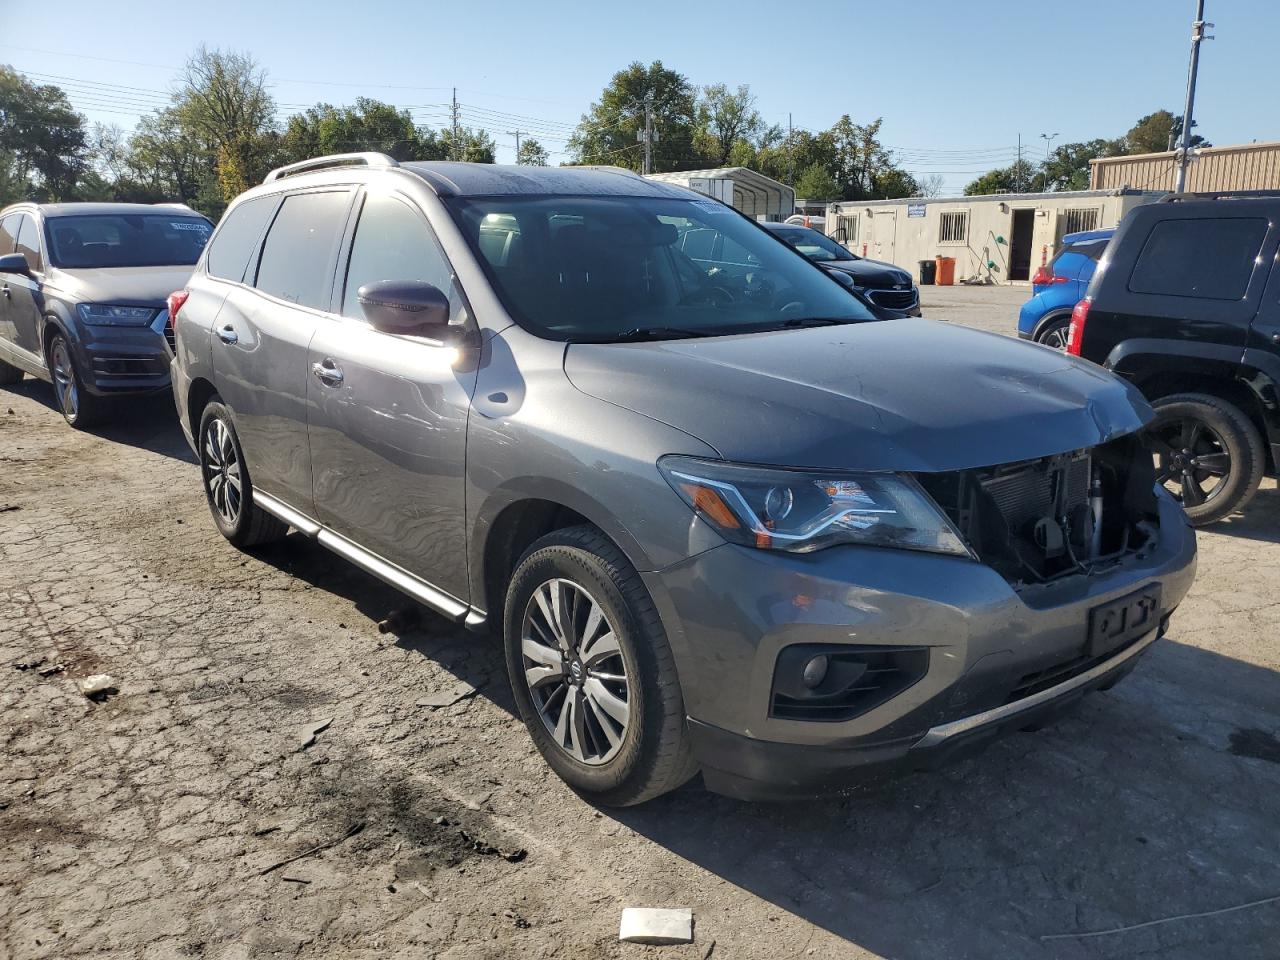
[909,395]
[127,286]
[871,273]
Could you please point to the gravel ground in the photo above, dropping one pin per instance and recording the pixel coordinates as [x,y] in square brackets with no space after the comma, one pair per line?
[275,778]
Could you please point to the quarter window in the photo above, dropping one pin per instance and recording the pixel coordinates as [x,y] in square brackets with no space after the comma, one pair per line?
[1210,259]
[233,245]
[29,242]
[953,227]
[297,255]
[392,242]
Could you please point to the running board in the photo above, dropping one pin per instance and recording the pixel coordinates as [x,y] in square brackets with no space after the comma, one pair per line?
[402,580]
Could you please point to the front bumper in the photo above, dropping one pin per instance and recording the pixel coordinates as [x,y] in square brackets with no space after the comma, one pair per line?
[117,361]
[731,611]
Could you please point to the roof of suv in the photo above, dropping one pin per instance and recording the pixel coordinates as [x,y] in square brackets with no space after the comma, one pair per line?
[105,209]
[490,179]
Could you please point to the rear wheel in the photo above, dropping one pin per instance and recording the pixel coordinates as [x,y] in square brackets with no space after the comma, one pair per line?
[9,374]
[1208,454]
[227,487]
[1055,334]
[79,408]
[592,673]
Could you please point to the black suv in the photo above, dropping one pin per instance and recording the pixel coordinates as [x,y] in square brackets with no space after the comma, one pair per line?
[1186,305]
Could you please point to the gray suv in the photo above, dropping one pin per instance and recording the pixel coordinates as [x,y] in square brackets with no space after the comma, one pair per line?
[83,290]
[723,518]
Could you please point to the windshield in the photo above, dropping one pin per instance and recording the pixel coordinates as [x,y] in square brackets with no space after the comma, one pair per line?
[126,240]
[601,269]
[814,245]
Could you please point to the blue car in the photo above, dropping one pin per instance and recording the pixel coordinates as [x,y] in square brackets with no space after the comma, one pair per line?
[1059,285]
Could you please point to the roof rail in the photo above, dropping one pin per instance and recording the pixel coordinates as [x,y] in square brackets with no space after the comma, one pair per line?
[1220,195]
[606,168]
[375,161]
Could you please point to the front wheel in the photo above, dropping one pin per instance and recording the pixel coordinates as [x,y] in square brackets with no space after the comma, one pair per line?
[79,408]
[1208,454]
[227,487]
[592,673]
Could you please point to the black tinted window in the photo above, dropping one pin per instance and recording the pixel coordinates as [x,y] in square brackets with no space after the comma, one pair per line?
[299,248]
[392,243]
[238,236]
[29,242]
[127,240]
[9,233]
[1210,259]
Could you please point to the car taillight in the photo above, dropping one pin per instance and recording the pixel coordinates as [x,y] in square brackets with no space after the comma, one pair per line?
[176,300]
[1075,333]
[1042,277]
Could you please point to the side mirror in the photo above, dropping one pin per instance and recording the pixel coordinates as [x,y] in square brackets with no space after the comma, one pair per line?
[844,279]
[15,263]
[405,306]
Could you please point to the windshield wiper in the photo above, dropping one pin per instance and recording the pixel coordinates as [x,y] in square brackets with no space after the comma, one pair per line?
[795,322]
[637,334]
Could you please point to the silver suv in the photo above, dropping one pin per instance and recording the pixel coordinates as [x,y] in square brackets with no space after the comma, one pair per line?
[723,517]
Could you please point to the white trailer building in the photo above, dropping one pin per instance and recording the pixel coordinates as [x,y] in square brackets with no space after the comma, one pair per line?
[754,194]
[1002,238]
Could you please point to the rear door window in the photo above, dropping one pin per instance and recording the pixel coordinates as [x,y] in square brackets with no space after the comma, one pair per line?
[29,242]
[297,256]
[237,238]
[1208,259]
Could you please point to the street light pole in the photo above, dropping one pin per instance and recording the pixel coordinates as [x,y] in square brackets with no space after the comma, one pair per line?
[1183,156]
[1048,139]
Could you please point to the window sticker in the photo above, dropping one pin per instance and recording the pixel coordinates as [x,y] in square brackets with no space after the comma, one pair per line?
[197,227]
[711,206]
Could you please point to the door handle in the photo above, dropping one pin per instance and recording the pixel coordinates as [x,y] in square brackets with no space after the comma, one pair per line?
[228,334]
[327,372]
[7,294]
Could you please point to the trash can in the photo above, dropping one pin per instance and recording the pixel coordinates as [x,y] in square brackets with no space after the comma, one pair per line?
[928,270]
[946,271]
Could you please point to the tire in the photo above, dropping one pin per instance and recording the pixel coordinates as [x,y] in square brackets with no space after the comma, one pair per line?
[9,374]
[1054,333]
[222,466]
[611,761]
[1197,437]
[78,407]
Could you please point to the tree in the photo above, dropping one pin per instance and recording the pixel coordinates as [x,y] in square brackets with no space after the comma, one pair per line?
[532,153]
[816,183]
[608,131]
[1156,132]
[782,157]
[42,140]
[224,103]
[931,186]
[368,125]
[1067,168]
[725,118]
[1019,177]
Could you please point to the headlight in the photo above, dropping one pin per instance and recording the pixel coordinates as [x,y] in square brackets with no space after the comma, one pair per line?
[109,315]
[802,511]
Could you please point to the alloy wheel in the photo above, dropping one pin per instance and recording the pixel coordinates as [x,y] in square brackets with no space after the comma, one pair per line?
[575,671]
[64,379]
[1056,338]
[1191,460]
[222,471]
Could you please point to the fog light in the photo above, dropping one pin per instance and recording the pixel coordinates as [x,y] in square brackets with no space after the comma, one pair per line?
[815,671]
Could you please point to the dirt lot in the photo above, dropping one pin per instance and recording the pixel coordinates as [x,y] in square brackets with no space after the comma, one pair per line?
[147,825]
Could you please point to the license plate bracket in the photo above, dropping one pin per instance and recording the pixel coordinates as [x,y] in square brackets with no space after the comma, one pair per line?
[1114,624]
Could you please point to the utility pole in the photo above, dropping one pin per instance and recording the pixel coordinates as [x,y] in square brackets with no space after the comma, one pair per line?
[453,146]
[1017,169]
[1183,156]
[516,134]
[791,155]
[648,135]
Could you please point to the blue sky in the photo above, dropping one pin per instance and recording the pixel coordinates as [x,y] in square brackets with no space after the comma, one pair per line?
[955,82]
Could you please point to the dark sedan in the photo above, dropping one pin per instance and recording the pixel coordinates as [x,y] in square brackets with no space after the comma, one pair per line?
[889,289]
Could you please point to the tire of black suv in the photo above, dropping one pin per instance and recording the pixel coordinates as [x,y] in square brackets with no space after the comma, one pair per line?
[9,374]
[576,584]
[1237,437]
[78,407]
[227,487]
